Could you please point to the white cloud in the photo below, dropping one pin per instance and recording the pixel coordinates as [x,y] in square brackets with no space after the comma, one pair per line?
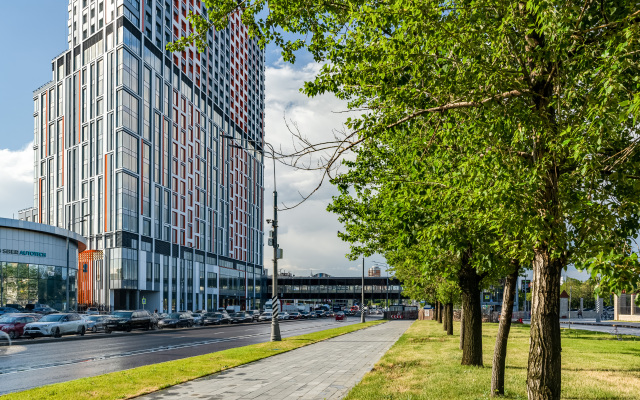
[307,233]
[16,180]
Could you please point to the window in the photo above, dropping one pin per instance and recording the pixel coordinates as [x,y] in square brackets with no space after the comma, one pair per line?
[126,202]
[127,111]
[127,74]
[126,151]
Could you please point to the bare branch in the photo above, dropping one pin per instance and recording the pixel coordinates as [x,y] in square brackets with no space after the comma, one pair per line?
[461,104]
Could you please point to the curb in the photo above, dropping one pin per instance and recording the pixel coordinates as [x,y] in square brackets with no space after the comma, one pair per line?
[612,325]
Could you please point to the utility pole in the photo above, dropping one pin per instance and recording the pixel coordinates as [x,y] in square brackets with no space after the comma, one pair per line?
[275,304]
[362,303]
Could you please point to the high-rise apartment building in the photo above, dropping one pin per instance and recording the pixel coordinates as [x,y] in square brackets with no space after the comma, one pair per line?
[155,157]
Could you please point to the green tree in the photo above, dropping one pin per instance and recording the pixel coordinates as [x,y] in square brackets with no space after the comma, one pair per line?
[550,86]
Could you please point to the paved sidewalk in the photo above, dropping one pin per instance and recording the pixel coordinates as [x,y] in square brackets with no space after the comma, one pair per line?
[324,370]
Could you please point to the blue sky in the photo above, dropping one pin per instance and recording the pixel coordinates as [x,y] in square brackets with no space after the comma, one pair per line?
[35,31]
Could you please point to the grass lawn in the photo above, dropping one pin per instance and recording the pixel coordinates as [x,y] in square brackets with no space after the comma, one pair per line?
[141,380]
[425,364]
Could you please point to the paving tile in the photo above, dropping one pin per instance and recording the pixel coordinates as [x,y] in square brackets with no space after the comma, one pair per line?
[324,370]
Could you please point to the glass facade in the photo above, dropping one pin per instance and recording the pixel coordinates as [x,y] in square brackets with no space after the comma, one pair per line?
[37,284]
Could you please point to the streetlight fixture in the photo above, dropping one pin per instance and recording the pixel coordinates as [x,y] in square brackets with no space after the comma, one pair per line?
[275,304]
[277,252]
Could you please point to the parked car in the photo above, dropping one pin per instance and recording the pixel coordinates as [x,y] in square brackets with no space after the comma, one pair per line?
[304,315]
[176,320]
[320,313]
[13,324]
[128,320]
[284,315]
[56,325]
[240,317]
[92,311]
[198,318]
[265,316]
[96,323]
[340,316]
[8,310]
[45,310]
[17,307]
[295,315]
[216,318]
[255,314]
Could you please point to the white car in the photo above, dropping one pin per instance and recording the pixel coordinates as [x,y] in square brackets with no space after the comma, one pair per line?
[56,325]
[265,316]
[284,315]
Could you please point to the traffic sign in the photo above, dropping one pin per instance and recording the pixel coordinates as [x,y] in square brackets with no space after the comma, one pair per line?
[144,300]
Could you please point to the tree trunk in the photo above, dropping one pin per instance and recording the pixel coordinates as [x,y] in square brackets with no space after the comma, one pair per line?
[445,315]
[500,352]
[435,311]
[449,308]
[543,372]
[461,327]
[472,346]
[439,312]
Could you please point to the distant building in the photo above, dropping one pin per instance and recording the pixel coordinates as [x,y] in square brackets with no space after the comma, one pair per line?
[625,307]
[374,271]
[28,214]
[321,275]
[338,291]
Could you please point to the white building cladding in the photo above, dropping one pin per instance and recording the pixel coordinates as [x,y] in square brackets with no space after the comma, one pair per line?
[36,266]
[137,149]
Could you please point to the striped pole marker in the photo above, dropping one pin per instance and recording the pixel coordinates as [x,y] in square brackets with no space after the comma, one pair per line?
[275,307]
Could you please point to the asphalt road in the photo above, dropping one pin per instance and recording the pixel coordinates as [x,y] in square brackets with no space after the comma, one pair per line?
[37,364]
[603,328]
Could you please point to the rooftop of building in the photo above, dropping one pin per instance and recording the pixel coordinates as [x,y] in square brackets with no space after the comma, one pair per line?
[43,228]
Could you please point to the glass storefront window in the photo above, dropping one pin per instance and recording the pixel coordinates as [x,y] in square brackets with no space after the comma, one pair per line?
[36,284]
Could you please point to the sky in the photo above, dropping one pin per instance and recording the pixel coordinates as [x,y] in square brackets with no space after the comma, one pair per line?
[37,32]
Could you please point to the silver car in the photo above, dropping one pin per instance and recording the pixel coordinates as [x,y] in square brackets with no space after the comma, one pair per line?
[56,325]
[265,316]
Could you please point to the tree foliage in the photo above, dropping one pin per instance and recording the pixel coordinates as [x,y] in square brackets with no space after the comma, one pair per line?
[518,116]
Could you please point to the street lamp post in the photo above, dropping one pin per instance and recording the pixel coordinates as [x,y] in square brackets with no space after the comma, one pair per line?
[275,304]
[362,303]
[69,229]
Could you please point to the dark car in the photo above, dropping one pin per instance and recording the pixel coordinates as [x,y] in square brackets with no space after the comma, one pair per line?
[13,324]
[176,320]
[239,318]
[8,310]
[320,313]
[304,315]
[295,315]
[44,310]
[128,320]
[340,316]
[216,318]
[96,323]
